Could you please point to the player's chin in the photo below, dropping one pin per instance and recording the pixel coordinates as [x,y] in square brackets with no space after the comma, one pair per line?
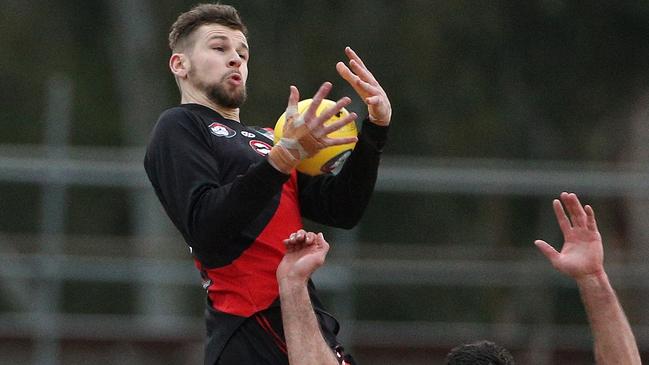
[237,90]
[240,97]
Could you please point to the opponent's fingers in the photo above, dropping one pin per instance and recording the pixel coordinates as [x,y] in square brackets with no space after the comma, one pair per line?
[310,238]
[323,245]
[575,209]
[339,124]
[324,242]
[297,241]
[300,235]
[290,245]
[547,250]
[320,240]
[322,92]
[591,221]
[562,219]
[297,236]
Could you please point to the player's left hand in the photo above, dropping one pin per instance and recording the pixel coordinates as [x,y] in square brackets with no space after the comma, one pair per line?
[364,83]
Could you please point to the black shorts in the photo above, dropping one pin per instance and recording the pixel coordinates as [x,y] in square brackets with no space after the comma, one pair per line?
[260,340]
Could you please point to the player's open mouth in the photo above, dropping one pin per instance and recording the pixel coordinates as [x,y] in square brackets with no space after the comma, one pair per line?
[235,78]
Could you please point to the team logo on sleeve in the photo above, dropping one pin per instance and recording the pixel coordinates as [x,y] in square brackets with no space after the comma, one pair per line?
[247,134]
[260,147]
[221,130]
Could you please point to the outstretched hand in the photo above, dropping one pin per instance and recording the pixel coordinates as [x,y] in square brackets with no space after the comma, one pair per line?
[582,253]
[367,87]
[305,253]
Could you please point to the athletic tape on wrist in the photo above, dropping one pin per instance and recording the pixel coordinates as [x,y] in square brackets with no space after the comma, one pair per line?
[281,159]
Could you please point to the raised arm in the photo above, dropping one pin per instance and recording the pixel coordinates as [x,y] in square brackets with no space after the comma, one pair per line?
[582,258]
[340,200]
[305,252]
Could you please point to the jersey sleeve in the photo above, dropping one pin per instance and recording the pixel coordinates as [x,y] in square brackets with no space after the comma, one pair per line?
[186,175]
[340,200]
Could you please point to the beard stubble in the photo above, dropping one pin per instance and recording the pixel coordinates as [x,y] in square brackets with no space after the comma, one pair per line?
[223,94]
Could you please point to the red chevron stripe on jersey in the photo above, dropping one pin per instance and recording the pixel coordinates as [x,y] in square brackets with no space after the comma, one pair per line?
[249,284]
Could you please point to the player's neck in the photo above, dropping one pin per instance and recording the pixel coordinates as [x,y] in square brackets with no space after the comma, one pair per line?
[195,98]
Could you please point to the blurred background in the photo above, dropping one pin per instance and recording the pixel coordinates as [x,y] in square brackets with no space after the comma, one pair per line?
[498,107]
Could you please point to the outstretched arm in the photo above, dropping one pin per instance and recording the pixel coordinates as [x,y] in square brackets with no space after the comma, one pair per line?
[340,200]
[305,252]
[582,258]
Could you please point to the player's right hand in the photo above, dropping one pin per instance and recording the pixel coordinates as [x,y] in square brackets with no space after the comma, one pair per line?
[305,134]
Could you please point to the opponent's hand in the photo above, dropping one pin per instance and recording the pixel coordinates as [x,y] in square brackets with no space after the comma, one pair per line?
[305,253]
[582,253]
[305,134]
[366,86]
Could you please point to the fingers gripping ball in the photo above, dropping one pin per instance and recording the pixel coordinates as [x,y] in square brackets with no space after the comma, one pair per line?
[329,159]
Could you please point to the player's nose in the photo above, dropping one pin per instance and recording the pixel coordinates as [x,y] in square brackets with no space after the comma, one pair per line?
[235,60]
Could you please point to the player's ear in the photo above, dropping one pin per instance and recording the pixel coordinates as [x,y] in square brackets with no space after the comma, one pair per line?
[178,64]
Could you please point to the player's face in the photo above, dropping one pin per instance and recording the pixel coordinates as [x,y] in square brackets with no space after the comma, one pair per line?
[219,64]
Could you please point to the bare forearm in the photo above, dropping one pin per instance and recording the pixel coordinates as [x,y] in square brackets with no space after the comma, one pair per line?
[614,340]
[304,341]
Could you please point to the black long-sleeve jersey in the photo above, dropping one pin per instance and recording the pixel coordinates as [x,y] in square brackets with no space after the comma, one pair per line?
[234,209]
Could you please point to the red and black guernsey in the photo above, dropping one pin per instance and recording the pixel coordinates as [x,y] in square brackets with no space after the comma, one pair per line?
[234,209]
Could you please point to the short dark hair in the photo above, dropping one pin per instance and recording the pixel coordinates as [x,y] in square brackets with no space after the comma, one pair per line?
[200,14]
[479,353]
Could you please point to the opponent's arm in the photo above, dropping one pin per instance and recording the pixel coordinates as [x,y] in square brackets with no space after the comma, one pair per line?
[305,252]
[582,258]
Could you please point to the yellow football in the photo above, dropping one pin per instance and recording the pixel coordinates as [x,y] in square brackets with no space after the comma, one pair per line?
[330,159]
